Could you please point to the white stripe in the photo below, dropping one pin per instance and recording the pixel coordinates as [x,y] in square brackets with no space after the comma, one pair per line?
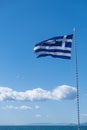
[52,47]
[53,41]
[67,40]
[54,53]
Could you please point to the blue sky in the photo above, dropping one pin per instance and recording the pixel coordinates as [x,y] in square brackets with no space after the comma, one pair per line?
[41,90]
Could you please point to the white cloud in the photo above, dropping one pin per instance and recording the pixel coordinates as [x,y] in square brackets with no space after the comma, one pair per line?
[23,107]
[64,92]
[37,107]
[59,93]
[38,115]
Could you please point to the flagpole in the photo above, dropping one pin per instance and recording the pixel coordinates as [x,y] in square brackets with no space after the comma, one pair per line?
[76,62]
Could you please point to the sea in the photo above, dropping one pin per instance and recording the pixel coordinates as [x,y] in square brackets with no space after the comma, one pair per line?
[42,128]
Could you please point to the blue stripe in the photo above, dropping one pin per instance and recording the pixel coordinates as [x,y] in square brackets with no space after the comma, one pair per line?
[70,36]
[47,44]
[67,44]
[54,38]
[55,56]
[52,50]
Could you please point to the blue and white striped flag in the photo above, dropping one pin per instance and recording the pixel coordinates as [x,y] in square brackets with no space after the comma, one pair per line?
[56,47]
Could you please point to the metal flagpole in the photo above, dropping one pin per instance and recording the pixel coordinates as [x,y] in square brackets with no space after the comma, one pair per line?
[78,112]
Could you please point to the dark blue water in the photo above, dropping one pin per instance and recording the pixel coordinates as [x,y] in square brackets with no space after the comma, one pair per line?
[42,128]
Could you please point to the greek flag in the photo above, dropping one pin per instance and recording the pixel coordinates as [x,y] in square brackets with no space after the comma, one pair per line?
[59,47]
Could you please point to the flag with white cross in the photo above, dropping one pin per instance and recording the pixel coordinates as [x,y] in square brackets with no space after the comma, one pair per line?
[59,47]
